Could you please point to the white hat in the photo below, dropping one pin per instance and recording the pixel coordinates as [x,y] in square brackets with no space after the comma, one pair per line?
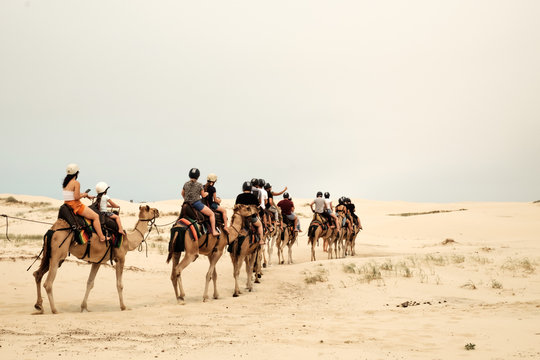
[212,177]
[72,169]
[101,187]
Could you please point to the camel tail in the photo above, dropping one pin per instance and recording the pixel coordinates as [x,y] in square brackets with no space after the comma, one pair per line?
[311,231]
[176,244]
[46,259]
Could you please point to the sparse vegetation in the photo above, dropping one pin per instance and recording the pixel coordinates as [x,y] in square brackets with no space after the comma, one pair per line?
[320,276]
[10,200]
[457,259]
[469,285]
[495,284]
[425,213]
[516,264]
[470,346]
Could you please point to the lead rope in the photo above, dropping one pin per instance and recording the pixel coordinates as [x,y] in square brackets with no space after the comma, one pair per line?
[13,217]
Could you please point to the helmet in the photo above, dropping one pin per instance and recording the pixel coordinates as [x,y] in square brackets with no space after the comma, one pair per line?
[267,186]
[319,193]
[254,182]
[194,173]
[347,200]
[212,177]
[286,195]
[246,186]
[101,187]
[262,182]
[341,200]
[72,169]
[327,195]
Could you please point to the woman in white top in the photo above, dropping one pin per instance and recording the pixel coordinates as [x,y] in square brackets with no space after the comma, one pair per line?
[104,200]
[72,197]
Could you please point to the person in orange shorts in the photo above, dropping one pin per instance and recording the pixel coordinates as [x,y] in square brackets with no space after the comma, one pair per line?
[72,197]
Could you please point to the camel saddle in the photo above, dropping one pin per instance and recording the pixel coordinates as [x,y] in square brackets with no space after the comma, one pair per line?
[75,221]
[189,212]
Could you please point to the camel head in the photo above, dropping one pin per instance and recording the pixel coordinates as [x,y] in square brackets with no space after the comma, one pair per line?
[245,210]
[147,213]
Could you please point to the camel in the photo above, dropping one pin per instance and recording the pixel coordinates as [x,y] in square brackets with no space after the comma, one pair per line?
[208,245]
[245,249]
[271,239]
[318,228]
[57,247]
[287,238]
[337,239]
[350,241]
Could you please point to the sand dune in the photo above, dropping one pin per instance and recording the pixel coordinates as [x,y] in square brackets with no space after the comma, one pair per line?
[405,295]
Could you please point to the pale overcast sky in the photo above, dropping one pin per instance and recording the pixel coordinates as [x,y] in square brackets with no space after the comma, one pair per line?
[434,101]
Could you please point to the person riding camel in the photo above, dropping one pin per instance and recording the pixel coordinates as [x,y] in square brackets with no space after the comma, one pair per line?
[341,208]
[287,209]
[270,204]
[263,197]
[329,208]
[103,200]
[212,201]
[248,198]
[319,205]
[72,198]
[193,192]
[350,206]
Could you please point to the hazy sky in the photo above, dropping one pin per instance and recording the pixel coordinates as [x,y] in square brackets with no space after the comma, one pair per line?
[384,100]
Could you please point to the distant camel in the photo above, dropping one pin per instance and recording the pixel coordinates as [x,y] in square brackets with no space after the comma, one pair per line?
[287,238]
[57,246]
[318,228]
[208,245]
[271,240]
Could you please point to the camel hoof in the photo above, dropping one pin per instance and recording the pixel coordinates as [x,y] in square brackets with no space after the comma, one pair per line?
[259,276]
[205,300]
[257,281]
[216,296]
[38,307]
[235,295]
[264,265]
[123,308]
[283,262]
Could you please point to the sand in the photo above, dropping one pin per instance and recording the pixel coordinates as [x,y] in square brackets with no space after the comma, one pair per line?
[405,295]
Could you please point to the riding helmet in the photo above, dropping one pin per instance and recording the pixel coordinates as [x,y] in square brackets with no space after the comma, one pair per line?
[101,187]
[327,195]
[72,169]
[246,186]
[286,195]
[194,173]
[267,186]
[212,177]
[319,193]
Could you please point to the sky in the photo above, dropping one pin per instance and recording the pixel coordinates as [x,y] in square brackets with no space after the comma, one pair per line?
[428,101]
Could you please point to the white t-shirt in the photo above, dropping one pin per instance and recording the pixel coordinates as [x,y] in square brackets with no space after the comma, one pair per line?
[327,204]
[103,203]
[264,196]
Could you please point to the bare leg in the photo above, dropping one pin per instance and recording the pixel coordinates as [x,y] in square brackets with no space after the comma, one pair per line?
[223,212]
[120,227]
[208,212]
[90,214]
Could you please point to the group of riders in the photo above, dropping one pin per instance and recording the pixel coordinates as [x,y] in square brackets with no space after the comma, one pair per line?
[204,199]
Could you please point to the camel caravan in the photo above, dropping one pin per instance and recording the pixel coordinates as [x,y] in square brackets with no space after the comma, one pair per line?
[95,233]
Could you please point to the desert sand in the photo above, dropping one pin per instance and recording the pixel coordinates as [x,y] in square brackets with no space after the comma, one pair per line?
[462,283]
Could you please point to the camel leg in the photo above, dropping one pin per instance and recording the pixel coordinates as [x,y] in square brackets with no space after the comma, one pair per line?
[186,260]
[290,253]
[48,285]
[89,285]
[174,276]
[250,260]
[38,275]
[237,265]
[119,283]
[212,275]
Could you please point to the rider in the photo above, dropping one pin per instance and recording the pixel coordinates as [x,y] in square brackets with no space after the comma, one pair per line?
[350,206]
[72,198]
[192,192]
[248,198]
[330,209]
[270,204]
[341,208]
[287,210]
[263,197]
[104,200]
[212,201]
[319,204]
